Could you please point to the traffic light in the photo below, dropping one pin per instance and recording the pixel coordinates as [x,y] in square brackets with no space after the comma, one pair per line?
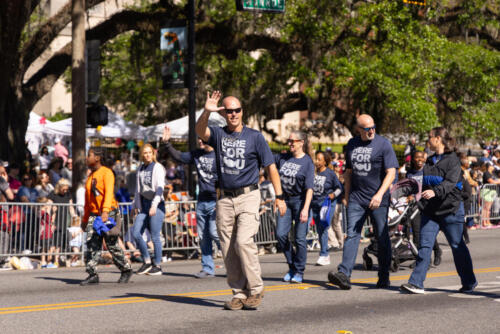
[97,114]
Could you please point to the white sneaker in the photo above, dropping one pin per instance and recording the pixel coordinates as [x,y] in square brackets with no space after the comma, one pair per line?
[323,261]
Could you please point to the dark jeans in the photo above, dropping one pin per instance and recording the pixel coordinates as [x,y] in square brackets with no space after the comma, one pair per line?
[296,258]
[356,216]
[415,226]
[452,226]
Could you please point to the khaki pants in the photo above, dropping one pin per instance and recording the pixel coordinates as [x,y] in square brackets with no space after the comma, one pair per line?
[335,234]
[237,223]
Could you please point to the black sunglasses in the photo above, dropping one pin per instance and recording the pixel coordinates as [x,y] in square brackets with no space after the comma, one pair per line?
[368,129]
[230,111]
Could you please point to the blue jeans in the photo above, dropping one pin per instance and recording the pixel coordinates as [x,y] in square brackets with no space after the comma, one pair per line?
[154,224]
[207,231]
[452,225]
[296,258]
[322,230]
[356,216]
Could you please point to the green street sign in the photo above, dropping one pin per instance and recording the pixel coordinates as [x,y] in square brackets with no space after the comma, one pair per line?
[276,6]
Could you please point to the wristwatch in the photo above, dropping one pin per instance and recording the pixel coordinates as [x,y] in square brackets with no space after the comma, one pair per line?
[281,197]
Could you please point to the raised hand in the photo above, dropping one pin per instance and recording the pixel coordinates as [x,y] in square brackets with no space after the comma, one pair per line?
[166,134]
[212,102]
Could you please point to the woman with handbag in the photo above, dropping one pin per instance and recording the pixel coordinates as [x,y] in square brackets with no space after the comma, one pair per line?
[326,190]
[149,207]
[296,170]
[101,219]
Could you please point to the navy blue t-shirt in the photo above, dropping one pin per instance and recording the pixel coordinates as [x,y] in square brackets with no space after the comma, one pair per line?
[369,160]
[207,172]
[240,155]
[417,175]
[325,183]
[297,175]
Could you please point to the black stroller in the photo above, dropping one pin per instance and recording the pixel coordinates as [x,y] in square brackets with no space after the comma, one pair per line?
[402,210]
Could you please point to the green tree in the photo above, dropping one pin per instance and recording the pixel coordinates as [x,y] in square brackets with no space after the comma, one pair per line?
[410,67]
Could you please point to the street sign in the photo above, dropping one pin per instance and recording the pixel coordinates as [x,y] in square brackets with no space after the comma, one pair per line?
[276,6]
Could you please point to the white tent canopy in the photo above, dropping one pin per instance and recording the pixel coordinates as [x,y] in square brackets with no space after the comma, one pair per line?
[179,128]
[117,127]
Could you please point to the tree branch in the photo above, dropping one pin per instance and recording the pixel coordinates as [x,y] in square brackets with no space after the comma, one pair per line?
[42,81]
[41,40]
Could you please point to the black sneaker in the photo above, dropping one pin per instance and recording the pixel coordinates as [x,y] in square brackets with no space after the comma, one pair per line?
[125,276]
[410,288]
[92,279]
[340,279]
[465,289]
[154,271]
[144,269]
[437,257]
[383,283]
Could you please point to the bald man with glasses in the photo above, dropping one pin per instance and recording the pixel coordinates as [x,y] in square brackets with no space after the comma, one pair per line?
[371,166]
[240,152]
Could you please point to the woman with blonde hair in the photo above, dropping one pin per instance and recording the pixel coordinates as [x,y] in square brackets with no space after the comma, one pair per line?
[149,207]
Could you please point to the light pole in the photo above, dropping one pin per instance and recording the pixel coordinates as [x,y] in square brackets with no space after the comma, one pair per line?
[192,92]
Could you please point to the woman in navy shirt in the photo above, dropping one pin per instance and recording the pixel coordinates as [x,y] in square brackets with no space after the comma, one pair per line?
[296,170]
[326,184]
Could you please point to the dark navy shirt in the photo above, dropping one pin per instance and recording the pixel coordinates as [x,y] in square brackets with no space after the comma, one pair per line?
[297,175]
[417,175]
[207,172]
[240,156]
[325,183]
[369,161]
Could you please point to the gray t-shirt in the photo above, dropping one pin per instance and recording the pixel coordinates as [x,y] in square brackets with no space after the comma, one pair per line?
[146,181]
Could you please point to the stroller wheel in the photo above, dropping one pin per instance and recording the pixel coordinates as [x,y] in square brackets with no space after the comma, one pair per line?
[367,262]
[395,265]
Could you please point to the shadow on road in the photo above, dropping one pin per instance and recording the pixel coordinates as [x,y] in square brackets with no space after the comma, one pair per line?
[64,280]
[187,275]
[177,299]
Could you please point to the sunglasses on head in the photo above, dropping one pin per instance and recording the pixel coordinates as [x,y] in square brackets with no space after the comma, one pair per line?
[230,111]
[368,129]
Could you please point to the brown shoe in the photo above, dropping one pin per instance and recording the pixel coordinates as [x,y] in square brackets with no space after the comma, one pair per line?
[234,305]
[252,302]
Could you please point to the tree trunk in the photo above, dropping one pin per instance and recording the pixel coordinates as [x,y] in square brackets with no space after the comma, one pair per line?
[13,128]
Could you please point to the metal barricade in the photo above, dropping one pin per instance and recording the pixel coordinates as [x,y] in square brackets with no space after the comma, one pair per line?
[489,208]
[50,230]
[40,229]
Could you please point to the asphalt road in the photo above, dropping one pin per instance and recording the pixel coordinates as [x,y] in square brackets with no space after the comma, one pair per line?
[52,301]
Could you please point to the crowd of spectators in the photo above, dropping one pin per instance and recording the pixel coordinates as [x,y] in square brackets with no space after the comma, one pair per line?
[45,179]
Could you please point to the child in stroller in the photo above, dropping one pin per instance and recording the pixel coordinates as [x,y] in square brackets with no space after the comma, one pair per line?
[402,210]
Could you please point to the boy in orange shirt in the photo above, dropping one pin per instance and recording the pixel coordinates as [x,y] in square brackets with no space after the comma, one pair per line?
[100,202]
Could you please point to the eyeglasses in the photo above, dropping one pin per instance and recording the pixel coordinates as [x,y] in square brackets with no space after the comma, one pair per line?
[230,111]
[292,141]
[368,129]
[26,179]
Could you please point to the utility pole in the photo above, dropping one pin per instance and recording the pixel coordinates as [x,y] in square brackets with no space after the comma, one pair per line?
[79,115]
[192,93]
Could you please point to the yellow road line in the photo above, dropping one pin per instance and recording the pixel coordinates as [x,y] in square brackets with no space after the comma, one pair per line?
[135,300]
[200,294]
[69,303]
